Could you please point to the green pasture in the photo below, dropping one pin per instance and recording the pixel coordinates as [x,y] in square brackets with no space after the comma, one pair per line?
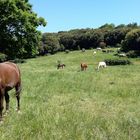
[69,104]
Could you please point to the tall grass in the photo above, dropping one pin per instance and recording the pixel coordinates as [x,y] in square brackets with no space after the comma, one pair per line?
[68,104]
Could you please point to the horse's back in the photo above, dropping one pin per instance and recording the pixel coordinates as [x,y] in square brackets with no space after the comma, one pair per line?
[83,65]
[9,74]
[14,66]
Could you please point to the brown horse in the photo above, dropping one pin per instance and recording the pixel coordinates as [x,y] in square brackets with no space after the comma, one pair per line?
[10,78]
[60,66]
[83,66]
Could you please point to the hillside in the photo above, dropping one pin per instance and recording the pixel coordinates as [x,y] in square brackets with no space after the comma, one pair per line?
[72,104]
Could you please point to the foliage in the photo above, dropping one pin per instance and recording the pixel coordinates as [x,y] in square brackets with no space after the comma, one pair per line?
[114,37]
[67,51]
[102,44]
[3,57]
[133,54]
[107,26]
[104,36]
[17,60]
[119,46]
[132,41]
[83,49]
[50,44]
[112,62]
[18,35]
[68,40]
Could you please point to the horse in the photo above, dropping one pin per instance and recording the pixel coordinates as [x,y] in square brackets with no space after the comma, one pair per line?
[60,66]
[83,66]
[101,64]
[10,77]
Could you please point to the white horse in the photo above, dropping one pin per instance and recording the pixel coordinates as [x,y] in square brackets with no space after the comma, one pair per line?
[94,52]
[98,49]
[102,65]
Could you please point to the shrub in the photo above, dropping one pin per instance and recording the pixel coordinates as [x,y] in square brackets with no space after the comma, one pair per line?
[18,60]
[3,57]
[131,41]
[67,51]
[83,49]
[78,47]
[102,44]
[118,45]
[112,62]
[133,54]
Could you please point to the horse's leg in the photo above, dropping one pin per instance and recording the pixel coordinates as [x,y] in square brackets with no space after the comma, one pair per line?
[1,103]
[18,90]
[98,67]
[7,101]
[82,68]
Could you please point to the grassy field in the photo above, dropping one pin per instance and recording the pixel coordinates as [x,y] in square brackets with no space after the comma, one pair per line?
[72,105]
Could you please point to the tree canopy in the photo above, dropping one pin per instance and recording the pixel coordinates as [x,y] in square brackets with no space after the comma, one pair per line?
[132,41]
[19,37]
[107,35]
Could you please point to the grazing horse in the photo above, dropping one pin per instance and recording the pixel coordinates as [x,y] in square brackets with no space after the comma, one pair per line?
[60,66]
[83,66]
[10,78]
[101,64]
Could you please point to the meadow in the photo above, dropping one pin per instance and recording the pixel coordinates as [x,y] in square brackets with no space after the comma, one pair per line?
[69,104]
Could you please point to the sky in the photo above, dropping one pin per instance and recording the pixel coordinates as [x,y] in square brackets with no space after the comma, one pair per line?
[65,15]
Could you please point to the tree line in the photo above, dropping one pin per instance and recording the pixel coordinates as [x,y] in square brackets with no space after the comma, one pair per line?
[126,37]
[19,37]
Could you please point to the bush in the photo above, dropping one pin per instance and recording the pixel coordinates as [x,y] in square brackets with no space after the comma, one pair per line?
[112,62]
[78,47]
[67,51]
[83,49]
[3,57]
[102,44]
[18,60]
[133,54]
[118,45]
[131,41]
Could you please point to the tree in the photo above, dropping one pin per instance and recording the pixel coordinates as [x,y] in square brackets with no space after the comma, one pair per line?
[50,43]
[114,37]
[107,26]
[132,41]
[19,37]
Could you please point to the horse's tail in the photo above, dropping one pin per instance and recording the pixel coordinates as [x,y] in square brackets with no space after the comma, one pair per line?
[18,91]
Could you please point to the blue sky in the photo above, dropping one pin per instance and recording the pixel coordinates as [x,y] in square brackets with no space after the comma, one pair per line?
[64,15]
